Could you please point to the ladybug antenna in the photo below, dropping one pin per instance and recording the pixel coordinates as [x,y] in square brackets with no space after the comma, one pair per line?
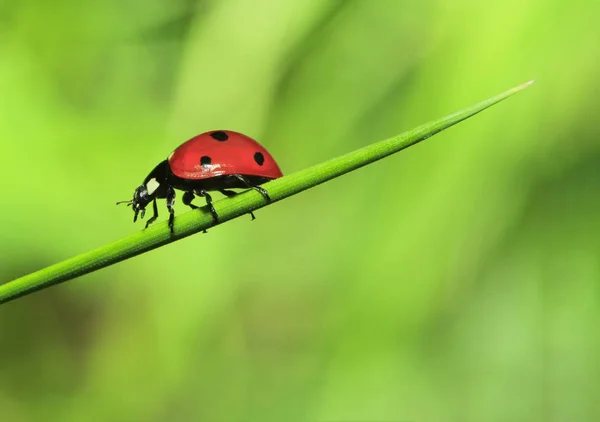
[125,202]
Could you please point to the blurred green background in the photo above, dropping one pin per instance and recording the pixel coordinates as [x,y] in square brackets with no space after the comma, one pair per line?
[456,281]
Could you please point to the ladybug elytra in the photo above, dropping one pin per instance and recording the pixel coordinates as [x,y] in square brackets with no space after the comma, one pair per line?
[212,161]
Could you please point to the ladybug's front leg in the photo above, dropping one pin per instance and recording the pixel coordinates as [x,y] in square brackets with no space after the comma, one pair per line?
[170,203]
[155,216]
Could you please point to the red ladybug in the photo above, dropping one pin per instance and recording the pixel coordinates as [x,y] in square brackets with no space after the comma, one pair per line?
[212,161]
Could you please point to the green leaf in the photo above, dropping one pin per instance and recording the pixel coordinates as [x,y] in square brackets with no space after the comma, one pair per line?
[229,208]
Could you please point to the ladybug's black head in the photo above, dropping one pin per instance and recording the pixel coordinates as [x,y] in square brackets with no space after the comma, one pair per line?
[153,187]
[141,198]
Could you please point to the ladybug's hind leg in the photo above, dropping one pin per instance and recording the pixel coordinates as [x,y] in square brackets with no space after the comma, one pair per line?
[228,193]
[257,188]
[231,194]
[249,185]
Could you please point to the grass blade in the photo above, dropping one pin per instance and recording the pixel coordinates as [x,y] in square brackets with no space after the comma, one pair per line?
[229,208]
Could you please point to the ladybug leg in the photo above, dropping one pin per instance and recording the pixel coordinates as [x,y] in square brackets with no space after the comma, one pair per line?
[202,192]
[230,194]
[187,199]
[155,216]
[249,185]
[170,203]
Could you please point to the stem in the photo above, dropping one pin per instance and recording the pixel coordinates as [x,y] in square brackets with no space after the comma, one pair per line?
[229,208]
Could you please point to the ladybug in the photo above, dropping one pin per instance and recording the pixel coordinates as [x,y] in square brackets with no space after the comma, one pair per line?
[212,161]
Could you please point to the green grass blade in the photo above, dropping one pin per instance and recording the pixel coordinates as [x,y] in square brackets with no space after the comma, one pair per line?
[197,220]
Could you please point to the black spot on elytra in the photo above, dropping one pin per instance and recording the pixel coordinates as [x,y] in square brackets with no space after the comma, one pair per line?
[205,161]
[219,136]
[259,158]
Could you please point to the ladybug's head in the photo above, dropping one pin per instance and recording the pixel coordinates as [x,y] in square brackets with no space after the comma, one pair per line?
[141,198]
[153,187]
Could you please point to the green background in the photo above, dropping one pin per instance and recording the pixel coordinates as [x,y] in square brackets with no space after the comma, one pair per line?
[456,281]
